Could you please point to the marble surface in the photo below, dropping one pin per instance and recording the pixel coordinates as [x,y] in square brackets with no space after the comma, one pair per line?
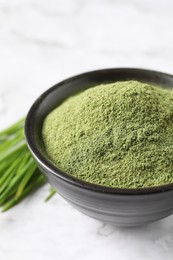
[41,43]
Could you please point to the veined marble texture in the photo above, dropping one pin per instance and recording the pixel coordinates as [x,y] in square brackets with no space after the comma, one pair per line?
[41,43]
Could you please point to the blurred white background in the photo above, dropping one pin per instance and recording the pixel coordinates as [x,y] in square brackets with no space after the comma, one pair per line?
[41,43]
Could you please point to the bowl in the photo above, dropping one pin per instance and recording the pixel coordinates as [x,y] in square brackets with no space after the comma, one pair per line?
[123,207]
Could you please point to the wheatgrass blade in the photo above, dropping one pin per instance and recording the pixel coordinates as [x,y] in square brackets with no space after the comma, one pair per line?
[19,174]
[30,188]
[51,193]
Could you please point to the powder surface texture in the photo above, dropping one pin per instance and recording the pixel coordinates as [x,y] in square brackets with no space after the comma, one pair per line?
[116,135]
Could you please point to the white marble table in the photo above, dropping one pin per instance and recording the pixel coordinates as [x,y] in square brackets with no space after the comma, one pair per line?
[41,43]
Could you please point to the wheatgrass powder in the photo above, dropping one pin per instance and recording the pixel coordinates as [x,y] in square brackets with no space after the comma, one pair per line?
[116,135]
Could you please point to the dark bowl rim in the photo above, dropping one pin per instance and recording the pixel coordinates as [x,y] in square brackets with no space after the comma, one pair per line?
[46,164]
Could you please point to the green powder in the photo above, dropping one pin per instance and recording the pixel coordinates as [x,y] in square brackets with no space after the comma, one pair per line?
[116,135]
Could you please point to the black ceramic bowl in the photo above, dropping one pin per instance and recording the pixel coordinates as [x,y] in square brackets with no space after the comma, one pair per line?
[124,207]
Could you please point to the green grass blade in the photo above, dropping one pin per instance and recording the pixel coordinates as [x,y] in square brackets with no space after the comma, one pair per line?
[52,192]
[26,179]
[38,183]
[12,129]
[19,174]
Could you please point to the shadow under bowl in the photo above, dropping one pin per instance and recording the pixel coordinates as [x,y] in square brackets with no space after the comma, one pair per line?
[123,207]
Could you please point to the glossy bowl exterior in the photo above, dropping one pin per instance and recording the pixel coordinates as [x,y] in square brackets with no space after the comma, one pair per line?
[123,207]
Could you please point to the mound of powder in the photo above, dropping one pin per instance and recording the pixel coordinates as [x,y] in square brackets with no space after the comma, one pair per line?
[116,135]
